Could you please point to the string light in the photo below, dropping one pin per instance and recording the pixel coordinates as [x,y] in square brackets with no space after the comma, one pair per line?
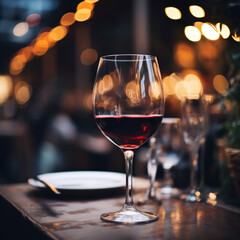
[48,38]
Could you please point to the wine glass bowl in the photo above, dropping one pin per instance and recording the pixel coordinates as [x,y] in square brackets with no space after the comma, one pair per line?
[128,106]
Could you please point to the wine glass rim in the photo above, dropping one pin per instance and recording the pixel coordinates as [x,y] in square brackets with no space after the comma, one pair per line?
[128,57]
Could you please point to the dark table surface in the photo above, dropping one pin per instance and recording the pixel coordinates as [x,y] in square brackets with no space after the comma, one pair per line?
[27,213]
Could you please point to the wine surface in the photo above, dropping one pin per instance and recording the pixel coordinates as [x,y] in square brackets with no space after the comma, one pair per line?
[128,131]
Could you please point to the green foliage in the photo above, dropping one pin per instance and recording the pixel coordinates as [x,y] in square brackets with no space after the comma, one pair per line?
[232,99]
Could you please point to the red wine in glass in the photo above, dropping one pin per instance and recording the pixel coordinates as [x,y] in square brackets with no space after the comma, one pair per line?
[128,131]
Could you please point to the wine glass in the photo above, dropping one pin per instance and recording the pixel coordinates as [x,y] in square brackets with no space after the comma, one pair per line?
[165,147]
[169,145]
[193,128]
[128,105]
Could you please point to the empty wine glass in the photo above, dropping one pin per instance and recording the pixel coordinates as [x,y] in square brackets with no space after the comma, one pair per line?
[169,146]
[165,147]
[128,106]
[193,121]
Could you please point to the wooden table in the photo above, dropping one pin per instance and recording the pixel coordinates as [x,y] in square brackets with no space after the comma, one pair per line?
[27,213]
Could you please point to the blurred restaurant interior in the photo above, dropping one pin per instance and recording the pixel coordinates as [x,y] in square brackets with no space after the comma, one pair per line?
[49,57]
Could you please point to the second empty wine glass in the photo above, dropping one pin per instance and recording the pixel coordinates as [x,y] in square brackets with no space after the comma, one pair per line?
[128,105]
[193,122]
[169,145]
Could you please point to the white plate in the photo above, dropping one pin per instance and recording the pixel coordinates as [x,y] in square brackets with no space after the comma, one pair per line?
[81,181]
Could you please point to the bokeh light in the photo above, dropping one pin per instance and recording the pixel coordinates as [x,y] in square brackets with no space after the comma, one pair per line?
[236,36]
[154,90]
[197,11]
[192,33]
[173,13]
[5,87]
[16,65]
[33,19]
[180,90]
[169,84]
[83,14]
[220,83]
[132,91]
[58,33]
[40,47]
[210,31]
[193,86]
[22,92]
[190,86]
[67,19]
[20,29]
[89,56]
[106,84]
[184,55]
[85,5]
[223,29]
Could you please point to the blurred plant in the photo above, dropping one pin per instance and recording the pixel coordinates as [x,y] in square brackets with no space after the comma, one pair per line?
[231,102]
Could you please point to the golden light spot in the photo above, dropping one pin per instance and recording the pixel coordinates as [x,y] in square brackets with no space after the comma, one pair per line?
[212,198]
[132,91]
[185,55]
[58,33]
[40,47]
[197,11]
[22,92]
[173,13]
[220,83]
[208,98]
[5,87]
[45,36]
[180,90]
[83,14]
[169,84]
[193,86]
[154,90]
[20,29]
[236,37]
[88,56]
[26,52]
[16,65]
[223,30]
[210,31]
[85,5]
[106,84]
[197,193]
[67,19]
[192,33]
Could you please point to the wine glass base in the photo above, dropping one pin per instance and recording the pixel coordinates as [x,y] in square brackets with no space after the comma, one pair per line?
[129,215]
[167,192]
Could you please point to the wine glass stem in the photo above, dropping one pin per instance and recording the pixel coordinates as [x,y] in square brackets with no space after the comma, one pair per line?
[128,164]
[194,169]
[167,177]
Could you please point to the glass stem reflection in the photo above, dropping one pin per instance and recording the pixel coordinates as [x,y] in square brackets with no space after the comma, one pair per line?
[152,171]
[129,154]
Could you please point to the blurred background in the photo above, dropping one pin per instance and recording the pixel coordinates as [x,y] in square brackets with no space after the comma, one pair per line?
[49,56]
